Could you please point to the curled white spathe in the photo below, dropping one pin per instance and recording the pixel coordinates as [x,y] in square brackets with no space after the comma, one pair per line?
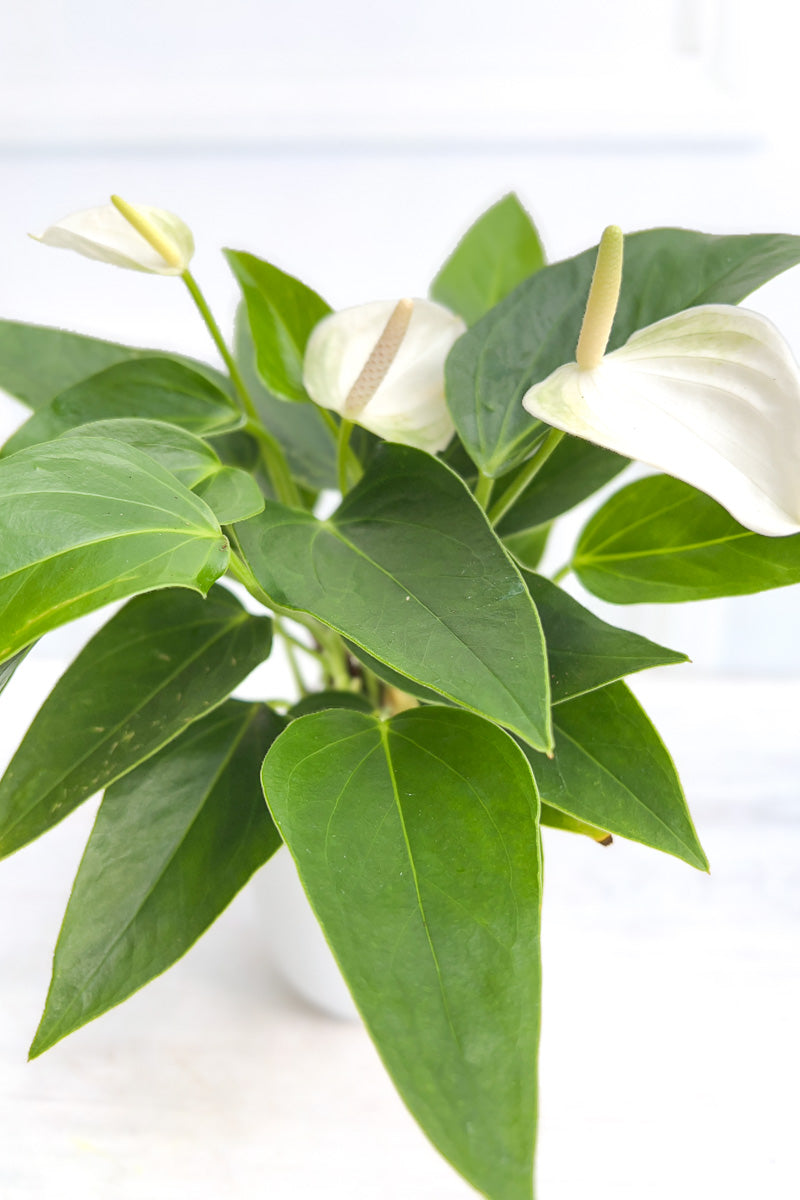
[105,235]
[408,404]
[710,396]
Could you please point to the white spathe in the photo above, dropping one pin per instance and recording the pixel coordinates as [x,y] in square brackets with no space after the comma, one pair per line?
[710,395]
[104,234]
[408,405]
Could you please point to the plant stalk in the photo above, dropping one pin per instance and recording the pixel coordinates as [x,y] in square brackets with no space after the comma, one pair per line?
[271,451]
[528,473]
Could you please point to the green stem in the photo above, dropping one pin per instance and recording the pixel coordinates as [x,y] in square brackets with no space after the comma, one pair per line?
[528,472]
[353,464]
[342,447]
[483,490]
[561,573]
[271,451]
[289,644]
[333,653]
[372,687]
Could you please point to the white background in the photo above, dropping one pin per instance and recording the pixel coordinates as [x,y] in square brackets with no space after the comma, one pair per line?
[351,144]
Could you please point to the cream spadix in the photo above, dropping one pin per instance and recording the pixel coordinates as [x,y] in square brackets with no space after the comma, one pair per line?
[710,395]
[381,365]
[138,237]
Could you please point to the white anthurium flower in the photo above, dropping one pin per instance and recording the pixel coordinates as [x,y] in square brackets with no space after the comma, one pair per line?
[381,365]
[138,237]
[710,396]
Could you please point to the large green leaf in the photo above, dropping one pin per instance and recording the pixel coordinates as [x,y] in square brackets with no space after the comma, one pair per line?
[156,389]
[300,428]
[417,842]
[535,329]
[575,470]
[38,362]
[320,701]
[162,662]
[84,521]
[495,254]
[584,652]
[172,844]
[231,493]
[282,311]
[183,454]
[528,546]
[409,569]
[553,818]
[612,770]
[661,541]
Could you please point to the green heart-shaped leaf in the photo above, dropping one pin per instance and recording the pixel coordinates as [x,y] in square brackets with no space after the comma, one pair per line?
[38,362]
[611,770]
[409,569]
[149,389]
[172,844]
[281,312]
[84,521]
[495,254]
[584,652]
[661,541]
[417,842]
[163,661]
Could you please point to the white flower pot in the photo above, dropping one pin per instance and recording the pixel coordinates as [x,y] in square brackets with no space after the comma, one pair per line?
[295,941]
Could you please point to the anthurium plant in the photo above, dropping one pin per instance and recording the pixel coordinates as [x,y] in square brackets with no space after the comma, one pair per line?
[382,481]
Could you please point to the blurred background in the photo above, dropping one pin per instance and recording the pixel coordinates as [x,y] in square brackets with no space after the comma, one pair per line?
[351,145]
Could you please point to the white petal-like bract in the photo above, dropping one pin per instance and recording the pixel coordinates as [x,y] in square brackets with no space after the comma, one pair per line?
[408,404]
[710,396]
[105,235]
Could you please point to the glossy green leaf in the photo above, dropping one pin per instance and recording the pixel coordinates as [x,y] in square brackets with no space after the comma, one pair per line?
[394,678]
[301,430]
[320,701]
[84,521]
[155,389]
[409,569]
[584,652]
[38,362]
[612,770]
[495,254]
[162,662]
[231,494]
[173,843]
[535,329]
[661,541]
[553,818]
[574,471]
[8,668]
[528,546]
[282,312]
[417,842]
[183,454]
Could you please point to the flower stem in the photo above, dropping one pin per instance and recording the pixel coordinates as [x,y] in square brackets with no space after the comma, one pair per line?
[271,452]
[342,446]
[528,473]
[291,657]
[483,489]
[354,466]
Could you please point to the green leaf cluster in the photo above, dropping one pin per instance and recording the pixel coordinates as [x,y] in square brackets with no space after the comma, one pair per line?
[452,698]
